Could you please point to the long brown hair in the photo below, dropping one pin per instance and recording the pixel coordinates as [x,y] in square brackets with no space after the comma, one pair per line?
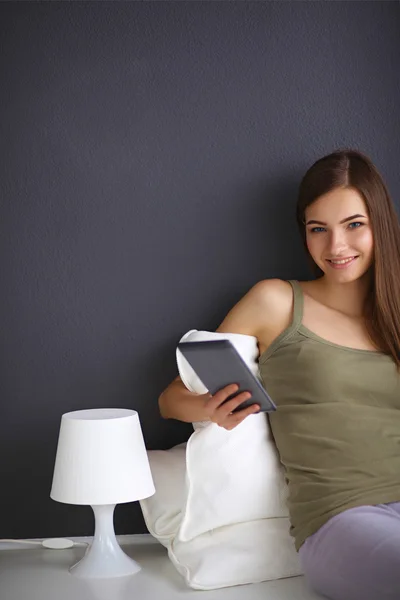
[350,168]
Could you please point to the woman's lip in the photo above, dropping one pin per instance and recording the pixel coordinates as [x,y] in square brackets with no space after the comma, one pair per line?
[342,265]
[343,258]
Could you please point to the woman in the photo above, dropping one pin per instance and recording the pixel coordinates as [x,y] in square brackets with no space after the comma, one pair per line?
[329,357]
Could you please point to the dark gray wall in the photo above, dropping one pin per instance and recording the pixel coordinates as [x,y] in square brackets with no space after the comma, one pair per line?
[151,154]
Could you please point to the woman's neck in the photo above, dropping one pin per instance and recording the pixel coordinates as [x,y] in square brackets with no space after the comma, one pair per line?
[348,298]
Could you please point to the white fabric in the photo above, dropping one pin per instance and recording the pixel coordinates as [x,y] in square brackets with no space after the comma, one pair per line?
[247,552]
[231,476]
[163,511]
[238,554]
[220,507]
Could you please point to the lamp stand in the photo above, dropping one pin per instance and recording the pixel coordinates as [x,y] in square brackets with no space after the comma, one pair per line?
[104,558]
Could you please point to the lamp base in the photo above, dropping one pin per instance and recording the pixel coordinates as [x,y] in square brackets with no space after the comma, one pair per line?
[104,558]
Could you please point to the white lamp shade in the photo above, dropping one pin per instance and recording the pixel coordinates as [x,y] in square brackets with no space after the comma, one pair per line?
[101,458]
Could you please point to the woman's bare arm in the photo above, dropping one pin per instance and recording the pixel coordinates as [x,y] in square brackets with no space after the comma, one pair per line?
[251,313]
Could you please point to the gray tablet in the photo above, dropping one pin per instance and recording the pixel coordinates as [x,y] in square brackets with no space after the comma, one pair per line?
[218,364]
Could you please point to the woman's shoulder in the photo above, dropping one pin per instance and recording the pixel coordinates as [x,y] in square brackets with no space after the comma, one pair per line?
[271,290]
[266,306]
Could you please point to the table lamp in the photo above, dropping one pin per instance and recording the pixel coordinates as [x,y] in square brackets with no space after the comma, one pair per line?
[102,461]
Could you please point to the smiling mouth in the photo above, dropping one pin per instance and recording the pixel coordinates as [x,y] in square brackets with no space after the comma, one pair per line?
[342,261]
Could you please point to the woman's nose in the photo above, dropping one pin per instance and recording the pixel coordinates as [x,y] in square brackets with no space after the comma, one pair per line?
[337,243]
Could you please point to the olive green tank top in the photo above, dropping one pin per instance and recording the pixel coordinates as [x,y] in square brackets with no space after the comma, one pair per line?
[337,423]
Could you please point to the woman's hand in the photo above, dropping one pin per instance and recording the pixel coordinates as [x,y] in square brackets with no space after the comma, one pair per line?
[221,412]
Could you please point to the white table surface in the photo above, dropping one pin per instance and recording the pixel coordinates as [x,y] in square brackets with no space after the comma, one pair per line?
[42,574]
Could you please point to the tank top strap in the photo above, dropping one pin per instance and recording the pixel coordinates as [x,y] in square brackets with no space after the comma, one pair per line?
[298,304]
[291,330]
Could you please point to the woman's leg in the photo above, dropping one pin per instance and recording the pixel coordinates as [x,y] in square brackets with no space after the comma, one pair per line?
[356,555]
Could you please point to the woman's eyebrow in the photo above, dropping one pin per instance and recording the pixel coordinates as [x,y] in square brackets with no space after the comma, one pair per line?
[342,221]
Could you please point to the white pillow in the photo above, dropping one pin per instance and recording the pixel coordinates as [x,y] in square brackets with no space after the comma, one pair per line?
[220,506]
[162,511]
[231,476]
[243,553]
[248,552]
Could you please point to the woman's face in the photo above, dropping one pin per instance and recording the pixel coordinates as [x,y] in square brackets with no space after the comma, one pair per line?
[339,235]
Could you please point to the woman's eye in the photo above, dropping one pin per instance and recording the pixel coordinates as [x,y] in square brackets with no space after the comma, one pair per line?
[358,223]
[353,225]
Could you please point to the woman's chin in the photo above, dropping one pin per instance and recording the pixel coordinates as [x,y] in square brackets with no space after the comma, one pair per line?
[345,275]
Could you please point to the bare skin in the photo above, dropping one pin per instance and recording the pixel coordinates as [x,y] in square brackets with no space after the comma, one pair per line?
[333,304]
